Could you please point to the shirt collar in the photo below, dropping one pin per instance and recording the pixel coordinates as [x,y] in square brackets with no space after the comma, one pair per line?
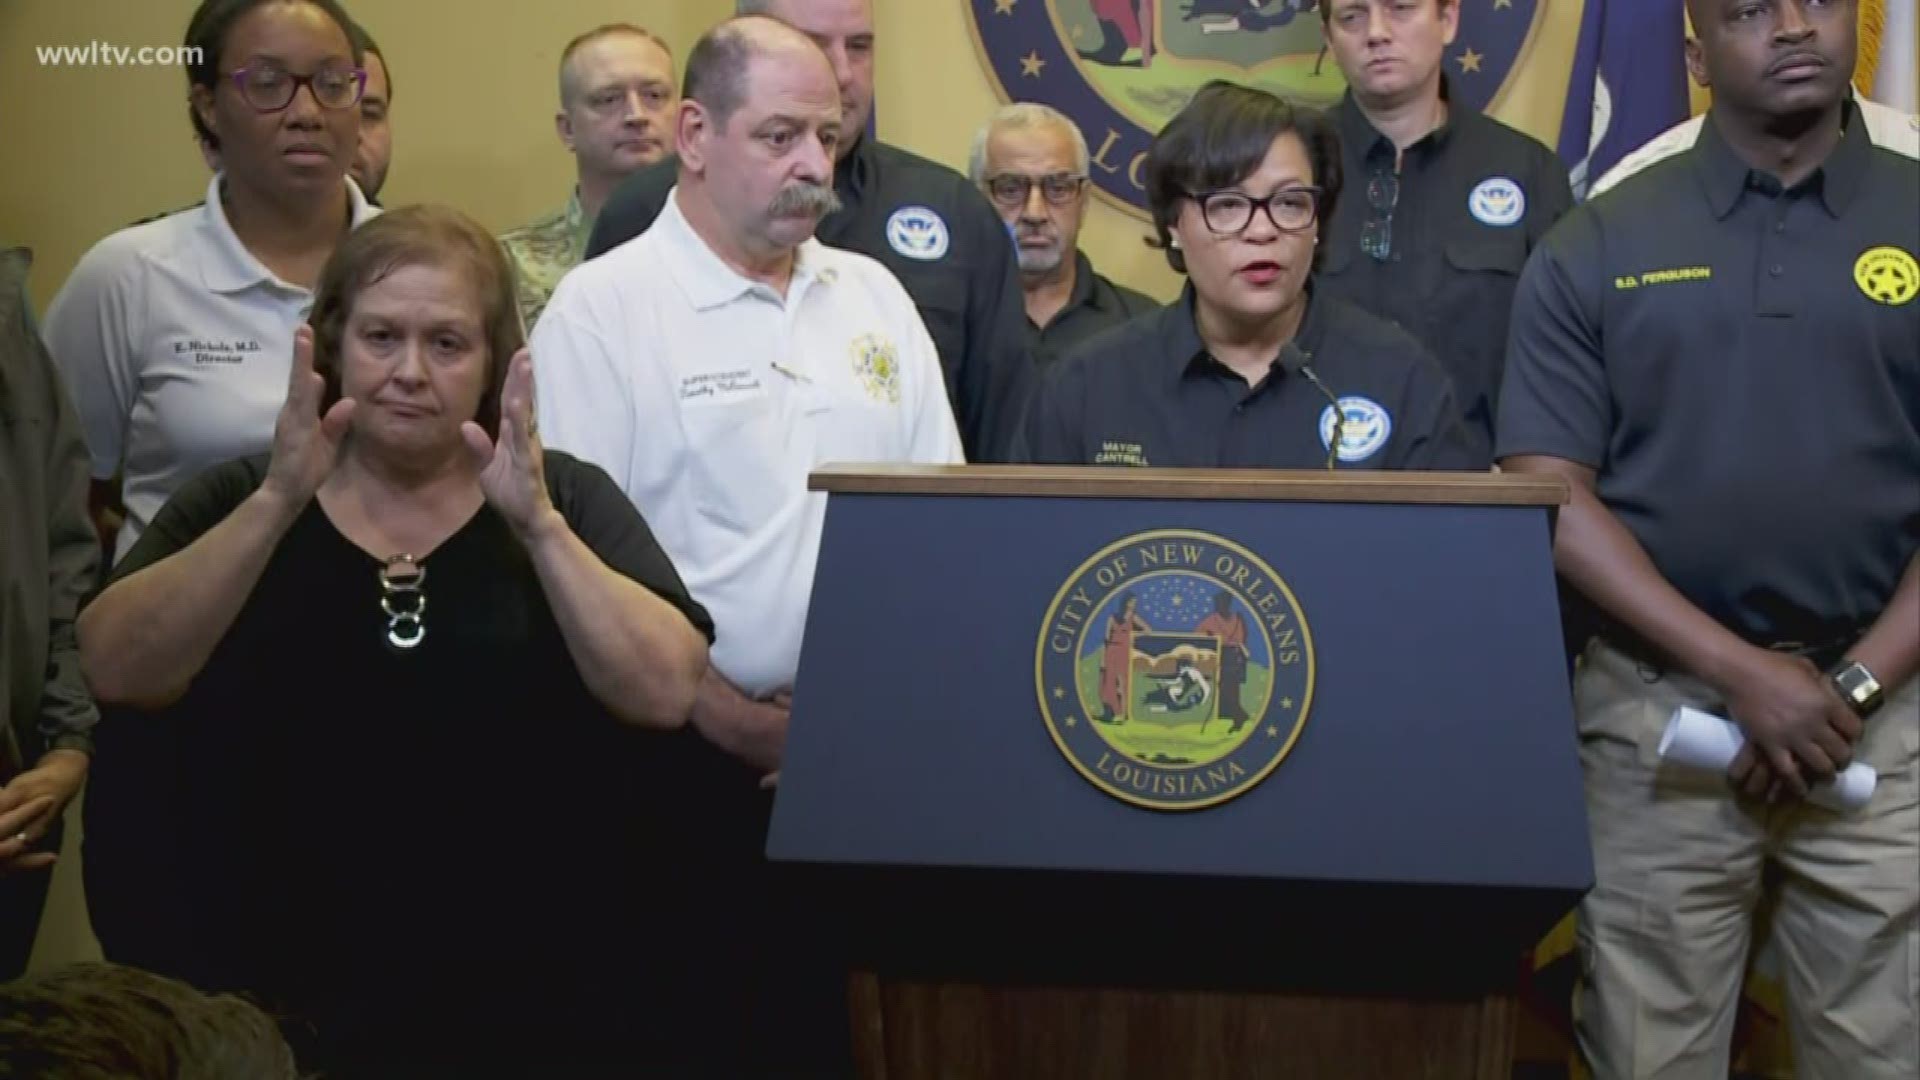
[1358,132]
[574,219]
[853,174]
[1180,334]
[706,279]
[1725,175]
[1084,293]
[229,267]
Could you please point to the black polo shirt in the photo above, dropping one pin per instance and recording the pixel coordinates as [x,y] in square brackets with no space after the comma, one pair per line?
[1475,198]
[1148,393]
[1096,303]
[944,242]
[1741,366]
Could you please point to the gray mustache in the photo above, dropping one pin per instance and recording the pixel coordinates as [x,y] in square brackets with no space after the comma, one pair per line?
[815,200]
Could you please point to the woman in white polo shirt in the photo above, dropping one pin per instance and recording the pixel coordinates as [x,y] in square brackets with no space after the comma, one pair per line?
[175,336]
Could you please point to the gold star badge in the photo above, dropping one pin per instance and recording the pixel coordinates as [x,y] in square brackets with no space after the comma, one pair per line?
[1273,732]
[1470,61]
[1004,7]
[1286,703]
[1031,64]
[1058,693]
[1072,720]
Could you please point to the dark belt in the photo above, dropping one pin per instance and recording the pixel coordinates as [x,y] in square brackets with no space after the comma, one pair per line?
[1824,653]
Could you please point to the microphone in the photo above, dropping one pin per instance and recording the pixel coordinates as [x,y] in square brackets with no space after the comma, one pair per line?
[1295,359]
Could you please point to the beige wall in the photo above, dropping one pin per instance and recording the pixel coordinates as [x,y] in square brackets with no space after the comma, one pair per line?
[93,149]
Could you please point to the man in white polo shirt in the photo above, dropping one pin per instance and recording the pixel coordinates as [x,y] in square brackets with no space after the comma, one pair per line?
[710,363]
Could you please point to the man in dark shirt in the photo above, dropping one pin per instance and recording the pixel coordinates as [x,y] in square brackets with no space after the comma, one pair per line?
[49,557]
[1031,162]
[922,220]
[1444,203]
[1250,368]
[1721,355]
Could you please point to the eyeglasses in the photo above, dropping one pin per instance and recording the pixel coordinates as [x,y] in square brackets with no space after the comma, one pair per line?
[1010,190]
[1290,209]
[270,88]
[1376,236]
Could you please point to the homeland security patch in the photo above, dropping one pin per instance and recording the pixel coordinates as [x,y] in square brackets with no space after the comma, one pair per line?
[1364,426]
[1174,669]
[1497,201]
[1122,68]
[918,233]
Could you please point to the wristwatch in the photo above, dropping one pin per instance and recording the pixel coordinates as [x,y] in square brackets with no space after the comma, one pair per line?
[1857,687]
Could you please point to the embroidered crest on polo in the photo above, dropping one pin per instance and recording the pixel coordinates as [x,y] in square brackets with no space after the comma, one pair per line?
[878,366]
[1367,428]
[1497,201]
[918,233]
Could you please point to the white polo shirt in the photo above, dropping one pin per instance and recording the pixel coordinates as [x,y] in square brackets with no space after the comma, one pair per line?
[176,344]
[709,398]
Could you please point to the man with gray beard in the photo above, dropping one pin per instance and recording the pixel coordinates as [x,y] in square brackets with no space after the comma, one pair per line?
[1031,163]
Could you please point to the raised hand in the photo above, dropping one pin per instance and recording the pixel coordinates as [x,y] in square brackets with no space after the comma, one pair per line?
[305,444]
[512,470]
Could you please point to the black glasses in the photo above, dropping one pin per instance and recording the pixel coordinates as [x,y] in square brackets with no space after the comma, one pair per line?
[270,88]
[1376,236]
[1010,190]
[1290,209]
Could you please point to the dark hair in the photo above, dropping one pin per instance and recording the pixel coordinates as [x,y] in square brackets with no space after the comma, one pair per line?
[436,236]
[96,1021]
[365,46]
[1218,140]
[595,34]
[207,38]
[717,67]
[716,74]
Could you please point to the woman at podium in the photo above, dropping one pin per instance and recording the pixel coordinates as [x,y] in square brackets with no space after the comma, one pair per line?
[1249,368]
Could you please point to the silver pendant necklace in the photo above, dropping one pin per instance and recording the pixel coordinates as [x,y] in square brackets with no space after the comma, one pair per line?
[403,600]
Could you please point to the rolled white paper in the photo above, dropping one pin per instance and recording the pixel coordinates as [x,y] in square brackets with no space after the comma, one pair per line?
[1704,741]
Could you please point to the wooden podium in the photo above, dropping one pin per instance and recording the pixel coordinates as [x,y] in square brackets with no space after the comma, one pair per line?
[1051,851]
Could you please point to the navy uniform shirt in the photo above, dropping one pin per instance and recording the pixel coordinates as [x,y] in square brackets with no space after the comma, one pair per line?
[1148,393]
[1475,197]
[1095,304]
[940,237]
[1740,365]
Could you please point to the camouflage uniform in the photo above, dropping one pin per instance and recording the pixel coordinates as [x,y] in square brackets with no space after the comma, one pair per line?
[543,252]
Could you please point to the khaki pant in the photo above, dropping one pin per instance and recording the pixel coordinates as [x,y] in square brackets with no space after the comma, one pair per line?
[1678,865]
